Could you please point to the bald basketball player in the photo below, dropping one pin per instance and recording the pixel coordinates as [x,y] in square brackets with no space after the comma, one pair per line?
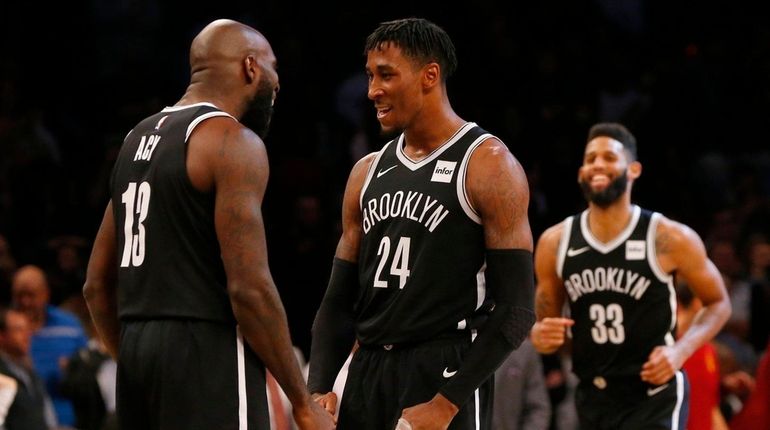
[178,282]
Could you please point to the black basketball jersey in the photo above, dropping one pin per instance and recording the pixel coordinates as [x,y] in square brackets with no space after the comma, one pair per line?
[169,263]
[421,262]
[622,302]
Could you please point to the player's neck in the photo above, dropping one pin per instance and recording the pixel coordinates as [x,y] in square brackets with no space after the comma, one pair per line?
[430,131]
[196,94]
[606,223]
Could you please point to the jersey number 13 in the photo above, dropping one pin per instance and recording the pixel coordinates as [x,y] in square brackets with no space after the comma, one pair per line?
[137,202]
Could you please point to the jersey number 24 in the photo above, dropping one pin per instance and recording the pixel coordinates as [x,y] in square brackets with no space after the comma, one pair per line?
[398,267]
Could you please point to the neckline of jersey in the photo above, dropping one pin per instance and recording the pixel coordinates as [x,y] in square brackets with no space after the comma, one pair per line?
[606,248]
[414,165]
[182,107]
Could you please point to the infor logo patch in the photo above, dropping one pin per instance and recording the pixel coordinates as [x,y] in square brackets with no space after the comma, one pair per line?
[443,171]
[635,250]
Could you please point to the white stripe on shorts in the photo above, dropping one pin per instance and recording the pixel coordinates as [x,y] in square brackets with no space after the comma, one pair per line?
[243,418]
[679,399]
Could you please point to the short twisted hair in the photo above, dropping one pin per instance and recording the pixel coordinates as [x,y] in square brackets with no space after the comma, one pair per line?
[615,131]
[419,39]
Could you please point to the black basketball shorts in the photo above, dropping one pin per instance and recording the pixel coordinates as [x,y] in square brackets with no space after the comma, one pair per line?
[383,380]
[184,374]
[603,407]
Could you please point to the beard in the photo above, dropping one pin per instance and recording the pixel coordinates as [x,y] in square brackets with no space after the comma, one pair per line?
[607,196]
[260,110]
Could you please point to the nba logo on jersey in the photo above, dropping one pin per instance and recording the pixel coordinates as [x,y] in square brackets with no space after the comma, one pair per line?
[443,171]
[635,250]
[160,123]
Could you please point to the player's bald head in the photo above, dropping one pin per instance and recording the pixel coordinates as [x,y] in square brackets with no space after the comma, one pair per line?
[225,41]
[233,66]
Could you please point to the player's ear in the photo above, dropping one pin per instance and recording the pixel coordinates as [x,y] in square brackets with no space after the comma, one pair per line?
[579,172]
[634,170]
[251,69]
[431,75]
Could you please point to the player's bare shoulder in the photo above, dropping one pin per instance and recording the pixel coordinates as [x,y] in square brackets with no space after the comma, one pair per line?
[359,172]
[493,156]
[364,163]
[495,179]
[675,243]
[550,239]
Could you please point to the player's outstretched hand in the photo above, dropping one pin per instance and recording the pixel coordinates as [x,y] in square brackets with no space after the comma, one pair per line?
[436,414]
[549,334]
[314,417]
[327,401]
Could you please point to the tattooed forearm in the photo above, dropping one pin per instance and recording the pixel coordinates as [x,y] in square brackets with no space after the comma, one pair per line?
[544,305]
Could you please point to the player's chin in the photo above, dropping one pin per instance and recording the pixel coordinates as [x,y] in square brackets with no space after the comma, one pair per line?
[388,131]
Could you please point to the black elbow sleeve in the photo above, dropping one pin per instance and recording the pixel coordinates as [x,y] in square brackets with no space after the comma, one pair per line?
[334,327]
[511,281]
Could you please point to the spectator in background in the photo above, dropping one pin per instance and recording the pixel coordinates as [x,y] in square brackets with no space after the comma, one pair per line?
[31,407]
[7,268]
[758,254]
[737,381]
[56,334]
[702,369]
[67,273]
[755,413]
[89,380]
[521,398]
[724,254]
[735,334]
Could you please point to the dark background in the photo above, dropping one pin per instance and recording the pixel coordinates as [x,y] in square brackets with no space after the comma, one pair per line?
[690,79]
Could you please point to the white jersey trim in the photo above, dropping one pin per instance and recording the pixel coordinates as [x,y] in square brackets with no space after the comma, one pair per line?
[370,174]
[414,165]
[652,260]
[481,285]
[477,404]
[462,193]
[202,118]
[476,400]
[669,339]
[178,108]
[652,254]
[561,253]
[606,248]
[243,417]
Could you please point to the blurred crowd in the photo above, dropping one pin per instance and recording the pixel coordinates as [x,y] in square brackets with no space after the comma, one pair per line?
[691,81]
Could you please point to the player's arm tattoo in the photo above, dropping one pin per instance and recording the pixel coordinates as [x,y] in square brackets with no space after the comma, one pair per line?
[498,191]
[663,242]
[543,304]
[499,202]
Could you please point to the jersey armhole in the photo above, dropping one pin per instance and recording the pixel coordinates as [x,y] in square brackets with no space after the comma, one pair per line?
[190,128]
[561,252]
[652,255]
[202,118]
[370,173]
[652,260]
[462,192]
